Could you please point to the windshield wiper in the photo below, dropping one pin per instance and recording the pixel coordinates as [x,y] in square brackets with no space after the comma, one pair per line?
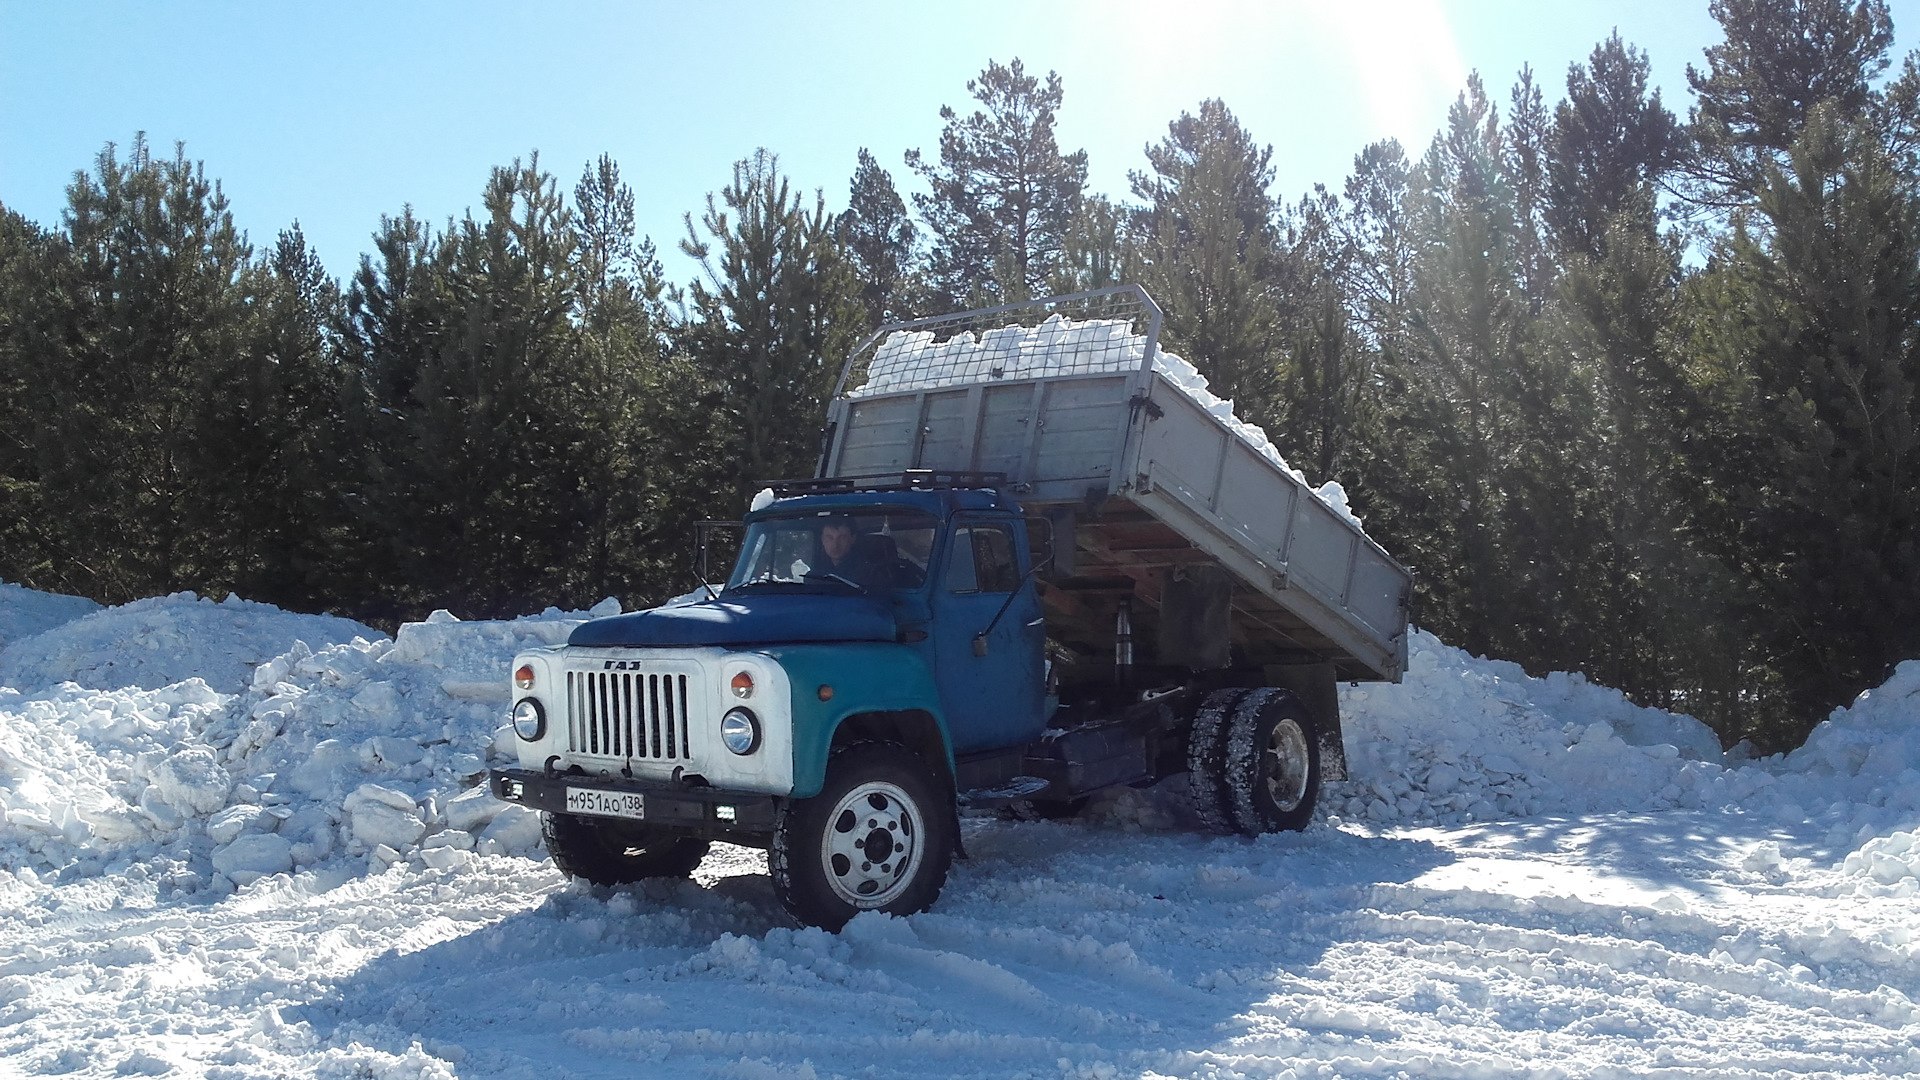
[856,586]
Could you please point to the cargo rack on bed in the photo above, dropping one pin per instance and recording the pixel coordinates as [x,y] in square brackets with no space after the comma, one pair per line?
[907,480]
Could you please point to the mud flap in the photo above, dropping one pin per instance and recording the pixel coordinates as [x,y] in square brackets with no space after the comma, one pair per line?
[1318,689]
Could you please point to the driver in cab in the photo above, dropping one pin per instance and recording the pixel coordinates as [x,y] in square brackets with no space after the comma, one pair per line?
[852,558]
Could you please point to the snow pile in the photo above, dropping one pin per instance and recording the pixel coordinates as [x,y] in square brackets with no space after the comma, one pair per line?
[360,748]
[1867,752]
[24,612]
[1859,774]
[1468,739]
[913,360]
[84,770]
[163,640]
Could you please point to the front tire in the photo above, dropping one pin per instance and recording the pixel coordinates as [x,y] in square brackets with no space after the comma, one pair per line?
[618,853]
[878,837]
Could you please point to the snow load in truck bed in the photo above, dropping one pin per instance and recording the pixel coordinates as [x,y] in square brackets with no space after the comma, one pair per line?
[913,360]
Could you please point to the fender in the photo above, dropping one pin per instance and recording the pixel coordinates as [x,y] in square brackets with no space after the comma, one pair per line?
[865,678]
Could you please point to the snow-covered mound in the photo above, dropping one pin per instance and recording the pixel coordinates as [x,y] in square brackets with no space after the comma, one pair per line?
[913,360]
[164,640]
[1468,739]
[358,748]
[24,612]
[1860,771]
[1867,752]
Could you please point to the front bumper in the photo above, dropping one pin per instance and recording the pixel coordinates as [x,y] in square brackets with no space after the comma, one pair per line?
[678,806]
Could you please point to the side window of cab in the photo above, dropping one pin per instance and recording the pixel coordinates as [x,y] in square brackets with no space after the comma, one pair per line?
[982,559]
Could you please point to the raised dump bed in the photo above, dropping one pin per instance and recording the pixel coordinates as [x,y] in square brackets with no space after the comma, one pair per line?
[1186,518]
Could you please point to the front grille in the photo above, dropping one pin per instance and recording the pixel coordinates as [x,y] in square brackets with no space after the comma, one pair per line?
[628,714]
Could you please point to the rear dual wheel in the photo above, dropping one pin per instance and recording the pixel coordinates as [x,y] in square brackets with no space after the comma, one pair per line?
[1254,762]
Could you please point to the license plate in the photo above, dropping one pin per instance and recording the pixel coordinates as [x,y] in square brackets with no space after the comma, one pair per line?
[623,804]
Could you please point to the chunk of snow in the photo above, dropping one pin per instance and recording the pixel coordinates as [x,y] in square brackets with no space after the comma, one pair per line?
[254,854]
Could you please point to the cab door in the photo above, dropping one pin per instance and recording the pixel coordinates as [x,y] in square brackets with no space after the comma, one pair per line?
[992,690]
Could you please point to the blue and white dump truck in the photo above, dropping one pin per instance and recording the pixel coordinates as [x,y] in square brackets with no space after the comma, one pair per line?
[1037,561]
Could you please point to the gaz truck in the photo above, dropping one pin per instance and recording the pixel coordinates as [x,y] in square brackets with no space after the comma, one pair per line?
[1037,560]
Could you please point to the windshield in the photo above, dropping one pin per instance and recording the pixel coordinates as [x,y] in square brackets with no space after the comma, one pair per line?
[858,550]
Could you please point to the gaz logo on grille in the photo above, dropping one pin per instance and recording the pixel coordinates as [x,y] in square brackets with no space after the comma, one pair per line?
[622,665]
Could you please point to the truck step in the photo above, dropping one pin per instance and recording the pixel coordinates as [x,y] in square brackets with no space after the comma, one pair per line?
[1020,787]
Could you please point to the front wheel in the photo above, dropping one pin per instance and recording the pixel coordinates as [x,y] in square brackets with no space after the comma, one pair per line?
[618,852]
[878,837]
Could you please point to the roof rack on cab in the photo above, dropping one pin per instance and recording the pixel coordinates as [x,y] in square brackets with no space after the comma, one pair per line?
[910,480]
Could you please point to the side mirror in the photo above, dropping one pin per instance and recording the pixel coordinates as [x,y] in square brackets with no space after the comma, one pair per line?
[703,543]
[1050,541]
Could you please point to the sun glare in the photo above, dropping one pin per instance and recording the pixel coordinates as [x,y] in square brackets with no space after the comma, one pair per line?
[1403,62]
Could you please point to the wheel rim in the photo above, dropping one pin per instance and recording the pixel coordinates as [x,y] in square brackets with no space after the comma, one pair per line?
[1286,764]
[872,847]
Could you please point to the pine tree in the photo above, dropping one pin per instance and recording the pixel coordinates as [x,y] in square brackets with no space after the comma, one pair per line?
[1372,252]
[1098,250]
[1470,407]
[1643,617]
[1210,252]
[775,314]
[395,306]
[1810,354]
[621,399]
[1611,142]
[31,262]
[269,443]
[1780,60]
[880,239]
[1003,196]
[156,305]
[465,356]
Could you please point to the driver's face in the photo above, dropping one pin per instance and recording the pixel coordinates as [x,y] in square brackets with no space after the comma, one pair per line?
[836,540]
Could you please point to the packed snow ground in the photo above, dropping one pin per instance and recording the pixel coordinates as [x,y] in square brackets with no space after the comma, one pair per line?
[253,848]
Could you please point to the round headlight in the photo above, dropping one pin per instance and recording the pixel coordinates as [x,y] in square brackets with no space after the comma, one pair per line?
[529,719]
[740,731]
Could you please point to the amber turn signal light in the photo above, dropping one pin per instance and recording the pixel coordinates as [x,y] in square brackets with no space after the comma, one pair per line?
[523,677]
[743,685]
[826,692]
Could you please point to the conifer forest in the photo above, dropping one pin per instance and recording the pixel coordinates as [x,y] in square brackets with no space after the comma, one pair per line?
[1629,382]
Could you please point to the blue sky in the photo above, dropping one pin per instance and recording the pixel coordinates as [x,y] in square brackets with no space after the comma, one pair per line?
[335,113]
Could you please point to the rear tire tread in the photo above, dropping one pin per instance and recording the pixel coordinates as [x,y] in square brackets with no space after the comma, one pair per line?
[1206,759]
